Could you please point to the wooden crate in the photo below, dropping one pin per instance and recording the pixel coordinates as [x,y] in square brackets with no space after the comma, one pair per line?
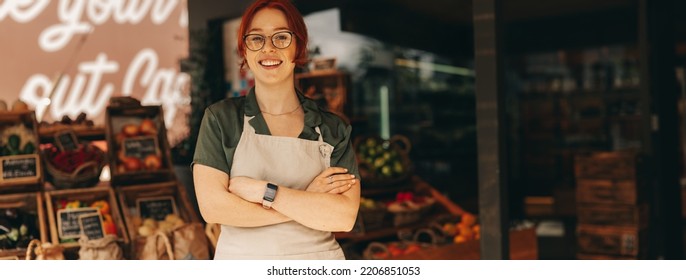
[611,240]
[129,195]
[607,191]
[87,195]
[145,134]
[612,215]
[21,170]
[618,165]
[31,203]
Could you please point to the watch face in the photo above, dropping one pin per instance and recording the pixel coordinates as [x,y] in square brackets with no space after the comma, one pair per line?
[269,194]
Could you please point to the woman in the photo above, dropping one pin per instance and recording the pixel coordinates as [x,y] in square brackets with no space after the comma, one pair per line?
[277,173]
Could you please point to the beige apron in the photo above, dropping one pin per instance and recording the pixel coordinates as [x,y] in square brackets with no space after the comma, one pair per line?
[288,162]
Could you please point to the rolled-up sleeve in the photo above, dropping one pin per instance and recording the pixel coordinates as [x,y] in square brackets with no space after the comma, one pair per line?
[210,149]
[343,153]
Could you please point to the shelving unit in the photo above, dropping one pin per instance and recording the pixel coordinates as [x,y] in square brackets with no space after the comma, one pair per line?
[524,244]
[570,102]
[329,88]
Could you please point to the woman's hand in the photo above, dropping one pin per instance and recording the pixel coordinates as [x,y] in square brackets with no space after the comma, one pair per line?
[247,188]
[332,180]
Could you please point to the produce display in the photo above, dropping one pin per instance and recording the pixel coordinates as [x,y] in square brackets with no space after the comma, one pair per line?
[379,159]
[102,205]
[145,162]
[17,106]
[17,228]
[464,230]
[409,201]
[370,204]
[69,161]
[17,140]
[81,122]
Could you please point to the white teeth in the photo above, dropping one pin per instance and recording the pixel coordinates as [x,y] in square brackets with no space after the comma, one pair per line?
[270,62]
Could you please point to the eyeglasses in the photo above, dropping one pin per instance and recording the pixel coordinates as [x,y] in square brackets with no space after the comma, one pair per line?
[280,40]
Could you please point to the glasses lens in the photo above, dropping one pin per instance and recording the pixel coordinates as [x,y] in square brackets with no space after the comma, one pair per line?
[282,40]
[254,42]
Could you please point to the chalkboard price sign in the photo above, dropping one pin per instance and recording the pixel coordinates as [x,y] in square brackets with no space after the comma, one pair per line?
[68,223]
[139,147]
[156,208]
[91,226]
[20,167]
[66,140]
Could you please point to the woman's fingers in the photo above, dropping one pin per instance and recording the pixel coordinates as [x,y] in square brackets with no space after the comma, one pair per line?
[341,189]
[332,179]
[341,184]
[333,171]
[340,179]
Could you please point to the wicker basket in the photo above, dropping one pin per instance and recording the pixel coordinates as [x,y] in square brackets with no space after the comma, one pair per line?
[410,216]
[86,175]
[372,175]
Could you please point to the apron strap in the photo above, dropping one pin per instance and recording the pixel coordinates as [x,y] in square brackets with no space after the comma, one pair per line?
[321,139]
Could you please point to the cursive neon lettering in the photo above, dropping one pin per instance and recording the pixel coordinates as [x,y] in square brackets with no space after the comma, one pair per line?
[22,10]
[132,11]
[99,11]
[35,91]
[55,37]
[162,10]
[71,97]
[163,86]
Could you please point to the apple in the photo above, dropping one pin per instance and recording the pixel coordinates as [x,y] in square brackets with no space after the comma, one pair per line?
[148,127]
[132,164]
[130,130]
[152,162]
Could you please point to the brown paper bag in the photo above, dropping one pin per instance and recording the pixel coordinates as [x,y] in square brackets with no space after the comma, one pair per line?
[190,242]
[157,247]
[186,242]
[105,248]
[44,251]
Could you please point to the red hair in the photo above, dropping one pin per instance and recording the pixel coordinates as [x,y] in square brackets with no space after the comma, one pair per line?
[296,24]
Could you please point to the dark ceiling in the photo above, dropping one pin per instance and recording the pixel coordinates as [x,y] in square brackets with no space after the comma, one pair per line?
[444,26]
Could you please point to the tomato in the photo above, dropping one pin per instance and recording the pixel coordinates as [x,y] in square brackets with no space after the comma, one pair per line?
[109,226]
[102,205]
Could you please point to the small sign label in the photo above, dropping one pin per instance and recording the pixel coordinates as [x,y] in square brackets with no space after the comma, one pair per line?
[139,147]
[68,223]
[156,208]
[91,226]
[66,140]
[20,168]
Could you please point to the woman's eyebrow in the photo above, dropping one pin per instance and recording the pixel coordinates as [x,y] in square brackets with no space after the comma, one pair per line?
[260,29]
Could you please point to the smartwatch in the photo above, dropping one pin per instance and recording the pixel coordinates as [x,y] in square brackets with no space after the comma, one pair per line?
[269,195]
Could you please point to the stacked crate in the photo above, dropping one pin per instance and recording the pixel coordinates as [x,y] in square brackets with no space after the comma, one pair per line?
[611,214]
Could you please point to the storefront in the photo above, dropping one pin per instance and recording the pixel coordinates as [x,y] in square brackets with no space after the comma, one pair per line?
[565,128]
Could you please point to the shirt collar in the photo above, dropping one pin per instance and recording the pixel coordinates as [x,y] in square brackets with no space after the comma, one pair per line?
[312,116]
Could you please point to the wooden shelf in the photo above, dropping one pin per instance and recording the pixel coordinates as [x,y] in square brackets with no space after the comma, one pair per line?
[90,133]
[523,246]
[378,234]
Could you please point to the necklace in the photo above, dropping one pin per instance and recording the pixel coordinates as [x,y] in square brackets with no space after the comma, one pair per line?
[281,114]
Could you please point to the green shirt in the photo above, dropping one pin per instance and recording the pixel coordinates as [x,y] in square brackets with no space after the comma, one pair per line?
[222,125]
